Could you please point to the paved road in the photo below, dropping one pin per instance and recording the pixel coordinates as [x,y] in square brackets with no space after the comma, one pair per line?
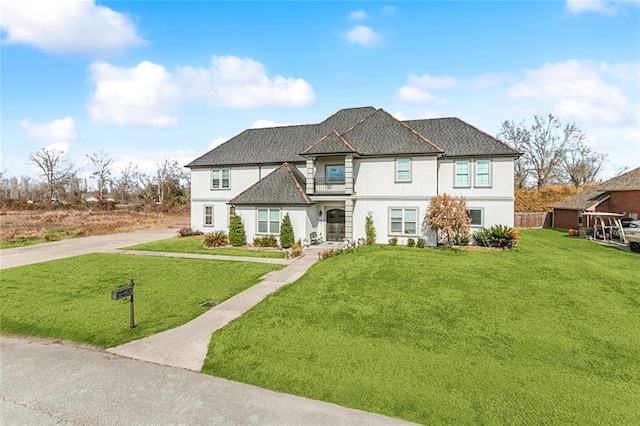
[76,246]
[49,383]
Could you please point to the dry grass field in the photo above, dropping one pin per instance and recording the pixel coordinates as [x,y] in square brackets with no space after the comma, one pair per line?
[24,227]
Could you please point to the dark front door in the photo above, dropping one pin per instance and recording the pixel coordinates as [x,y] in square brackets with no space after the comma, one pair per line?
[335,225]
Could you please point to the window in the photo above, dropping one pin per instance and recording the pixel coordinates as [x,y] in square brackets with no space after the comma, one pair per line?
[403,221]
[462,173]
[208,215]
[483,173]
[220,179]
[269,221]
[334,173]
[403,170]
[232,212]
[476,216]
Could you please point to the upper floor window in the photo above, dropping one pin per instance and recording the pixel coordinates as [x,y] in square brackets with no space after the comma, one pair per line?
[483,173]
[208,216]
[403,221]
[269,221]
[220,179]
[403,170]
[462,173]
[334,173]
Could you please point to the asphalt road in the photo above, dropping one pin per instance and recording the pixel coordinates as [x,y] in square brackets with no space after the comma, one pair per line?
[43,252]
[43,382]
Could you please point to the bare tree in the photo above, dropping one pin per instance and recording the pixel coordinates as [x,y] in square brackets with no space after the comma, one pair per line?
[581,165]
[101,164]
[54,169]
[170,178]
[127,181]
[544,145]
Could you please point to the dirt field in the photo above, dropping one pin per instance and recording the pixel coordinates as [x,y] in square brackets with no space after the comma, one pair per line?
[59,224]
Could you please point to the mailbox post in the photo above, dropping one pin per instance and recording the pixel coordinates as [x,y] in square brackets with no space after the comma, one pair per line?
[121,293]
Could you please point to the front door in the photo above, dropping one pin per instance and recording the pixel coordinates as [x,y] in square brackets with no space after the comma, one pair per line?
[335,225]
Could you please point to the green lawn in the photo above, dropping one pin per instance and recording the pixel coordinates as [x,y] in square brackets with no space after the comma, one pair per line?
[70,299]
[194,245]
[548,333]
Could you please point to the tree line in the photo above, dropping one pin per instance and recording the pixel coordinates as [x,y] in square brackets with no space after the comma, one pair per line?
[60,181]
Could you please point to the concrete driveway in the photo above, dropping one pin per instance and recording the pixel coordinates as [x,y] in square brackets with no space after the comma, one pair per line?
[47,383]
[20,256]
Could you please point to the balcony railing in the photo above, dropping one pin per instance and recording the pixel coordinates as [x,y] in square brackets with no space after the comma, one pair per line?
[329,186]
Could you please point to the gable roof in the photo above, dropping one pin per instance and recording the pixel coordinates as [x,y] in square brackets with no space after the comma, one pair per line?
[331,143]
[369,131]
[590,198]
[283,186]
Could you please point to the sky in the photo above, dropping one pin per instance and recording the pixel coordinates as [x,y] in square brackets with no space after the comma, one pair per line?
[146,81]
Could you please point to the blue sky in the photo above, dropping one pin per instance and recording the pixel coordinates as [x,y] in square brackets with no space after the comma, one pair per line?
[150,80]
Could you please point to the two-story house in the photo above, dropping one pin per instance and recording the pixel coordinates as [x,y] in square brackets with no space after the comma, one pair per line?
[329,176]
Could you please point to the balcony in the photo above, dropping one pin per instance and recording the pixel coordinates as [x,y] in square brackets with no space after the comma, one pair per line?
[329,186]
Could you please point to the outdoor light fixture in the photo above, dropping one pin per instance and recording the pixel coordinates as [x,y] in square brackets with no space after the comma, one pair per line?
[320,213]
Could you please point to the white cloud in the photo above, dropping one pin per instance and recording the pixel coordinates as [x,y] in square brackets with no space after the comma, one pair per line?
[259,124]
[243,83]
[63,26]
[419,88]
[217,142]
[61,147]
[63,129]
[142,95]
[388,10]
[358,15]
[608,7]
[578,92]
[361,34]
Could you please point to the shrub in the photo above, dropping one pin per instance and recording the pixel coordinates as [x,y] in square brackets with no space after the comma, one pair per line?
[449,216]
[370,229]
[296,250]
[188,232]
[266,241]
[421,243]
[411,242]
[503,236]
[237,236]
[216,239]
[393,241]
[287,238]
[462,240]
[482,237]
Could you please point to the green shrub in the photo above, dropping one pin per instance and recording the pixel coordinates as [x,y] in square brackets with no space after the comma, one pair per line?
[482,237]
[421,243]
[411,242]
[393,241]
[216,239]
[287,238]
[461,240]
[503,236]
[237,236]
[296,250]
[370,229]
[266,241]
[188,232]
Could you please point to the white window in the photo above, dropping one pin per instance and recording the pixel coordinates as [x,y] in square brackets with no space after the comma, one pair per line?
[403,170]
[483,173]
[462,173]
[476,217]
[220,179]
[268,221]
[403,221]
[232,212]
[208,215]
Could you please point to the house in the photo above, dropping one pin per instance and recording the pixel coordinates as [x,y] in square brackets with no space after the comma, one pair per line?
[618,195]
[329,176]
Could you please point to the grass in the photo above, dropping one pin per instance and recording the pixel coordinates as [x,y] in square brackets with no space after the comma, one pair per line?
[19,242]
[70,299]
[194,245]
[548,333]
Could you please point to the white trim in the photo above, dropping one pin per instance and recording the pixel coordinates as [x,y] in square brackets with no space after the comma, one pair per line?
[455,174]
[220,170]
[482,218]
[395,162]
[402,233]
[204,215]
[475,173]
[269,221]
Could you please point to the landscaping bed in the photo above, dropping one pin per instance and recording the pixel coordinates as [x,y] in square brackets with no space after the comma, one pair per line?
[70,298]
[548,332]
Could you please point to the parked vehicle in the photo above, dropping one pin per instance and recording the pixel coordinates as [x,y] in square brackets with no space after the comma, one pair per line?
[632,234]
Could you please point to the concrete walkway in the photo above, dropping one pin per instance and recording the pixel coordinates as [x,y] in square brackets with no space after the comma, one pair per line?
[44,252]
[186,346]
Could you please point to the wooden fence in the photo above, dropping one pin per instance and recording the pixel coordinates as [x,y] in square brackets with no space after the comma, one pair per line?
[533,220]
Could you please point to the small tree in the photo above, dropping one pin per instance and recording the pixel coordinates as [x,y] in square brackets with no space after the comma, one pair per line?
[448,215]
[237,236]
[370,229]
[287,238]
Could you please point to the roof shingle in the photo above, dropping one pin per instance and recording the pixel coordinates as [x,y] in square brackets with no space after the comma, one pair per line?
[283,186]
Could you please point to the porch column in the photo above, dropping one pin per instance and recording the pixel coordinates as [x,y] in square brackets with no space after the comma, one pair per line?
[348,219]
[348,174]
[310,174]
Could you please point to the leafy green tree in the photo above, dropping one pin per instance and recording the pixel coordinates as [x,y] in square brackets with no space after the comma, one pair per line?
[287,238]
[370,229]
[237,236]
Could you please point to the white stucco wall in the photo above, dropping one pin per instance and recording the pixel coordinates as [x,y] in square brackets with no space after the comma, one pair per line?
[377,177]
